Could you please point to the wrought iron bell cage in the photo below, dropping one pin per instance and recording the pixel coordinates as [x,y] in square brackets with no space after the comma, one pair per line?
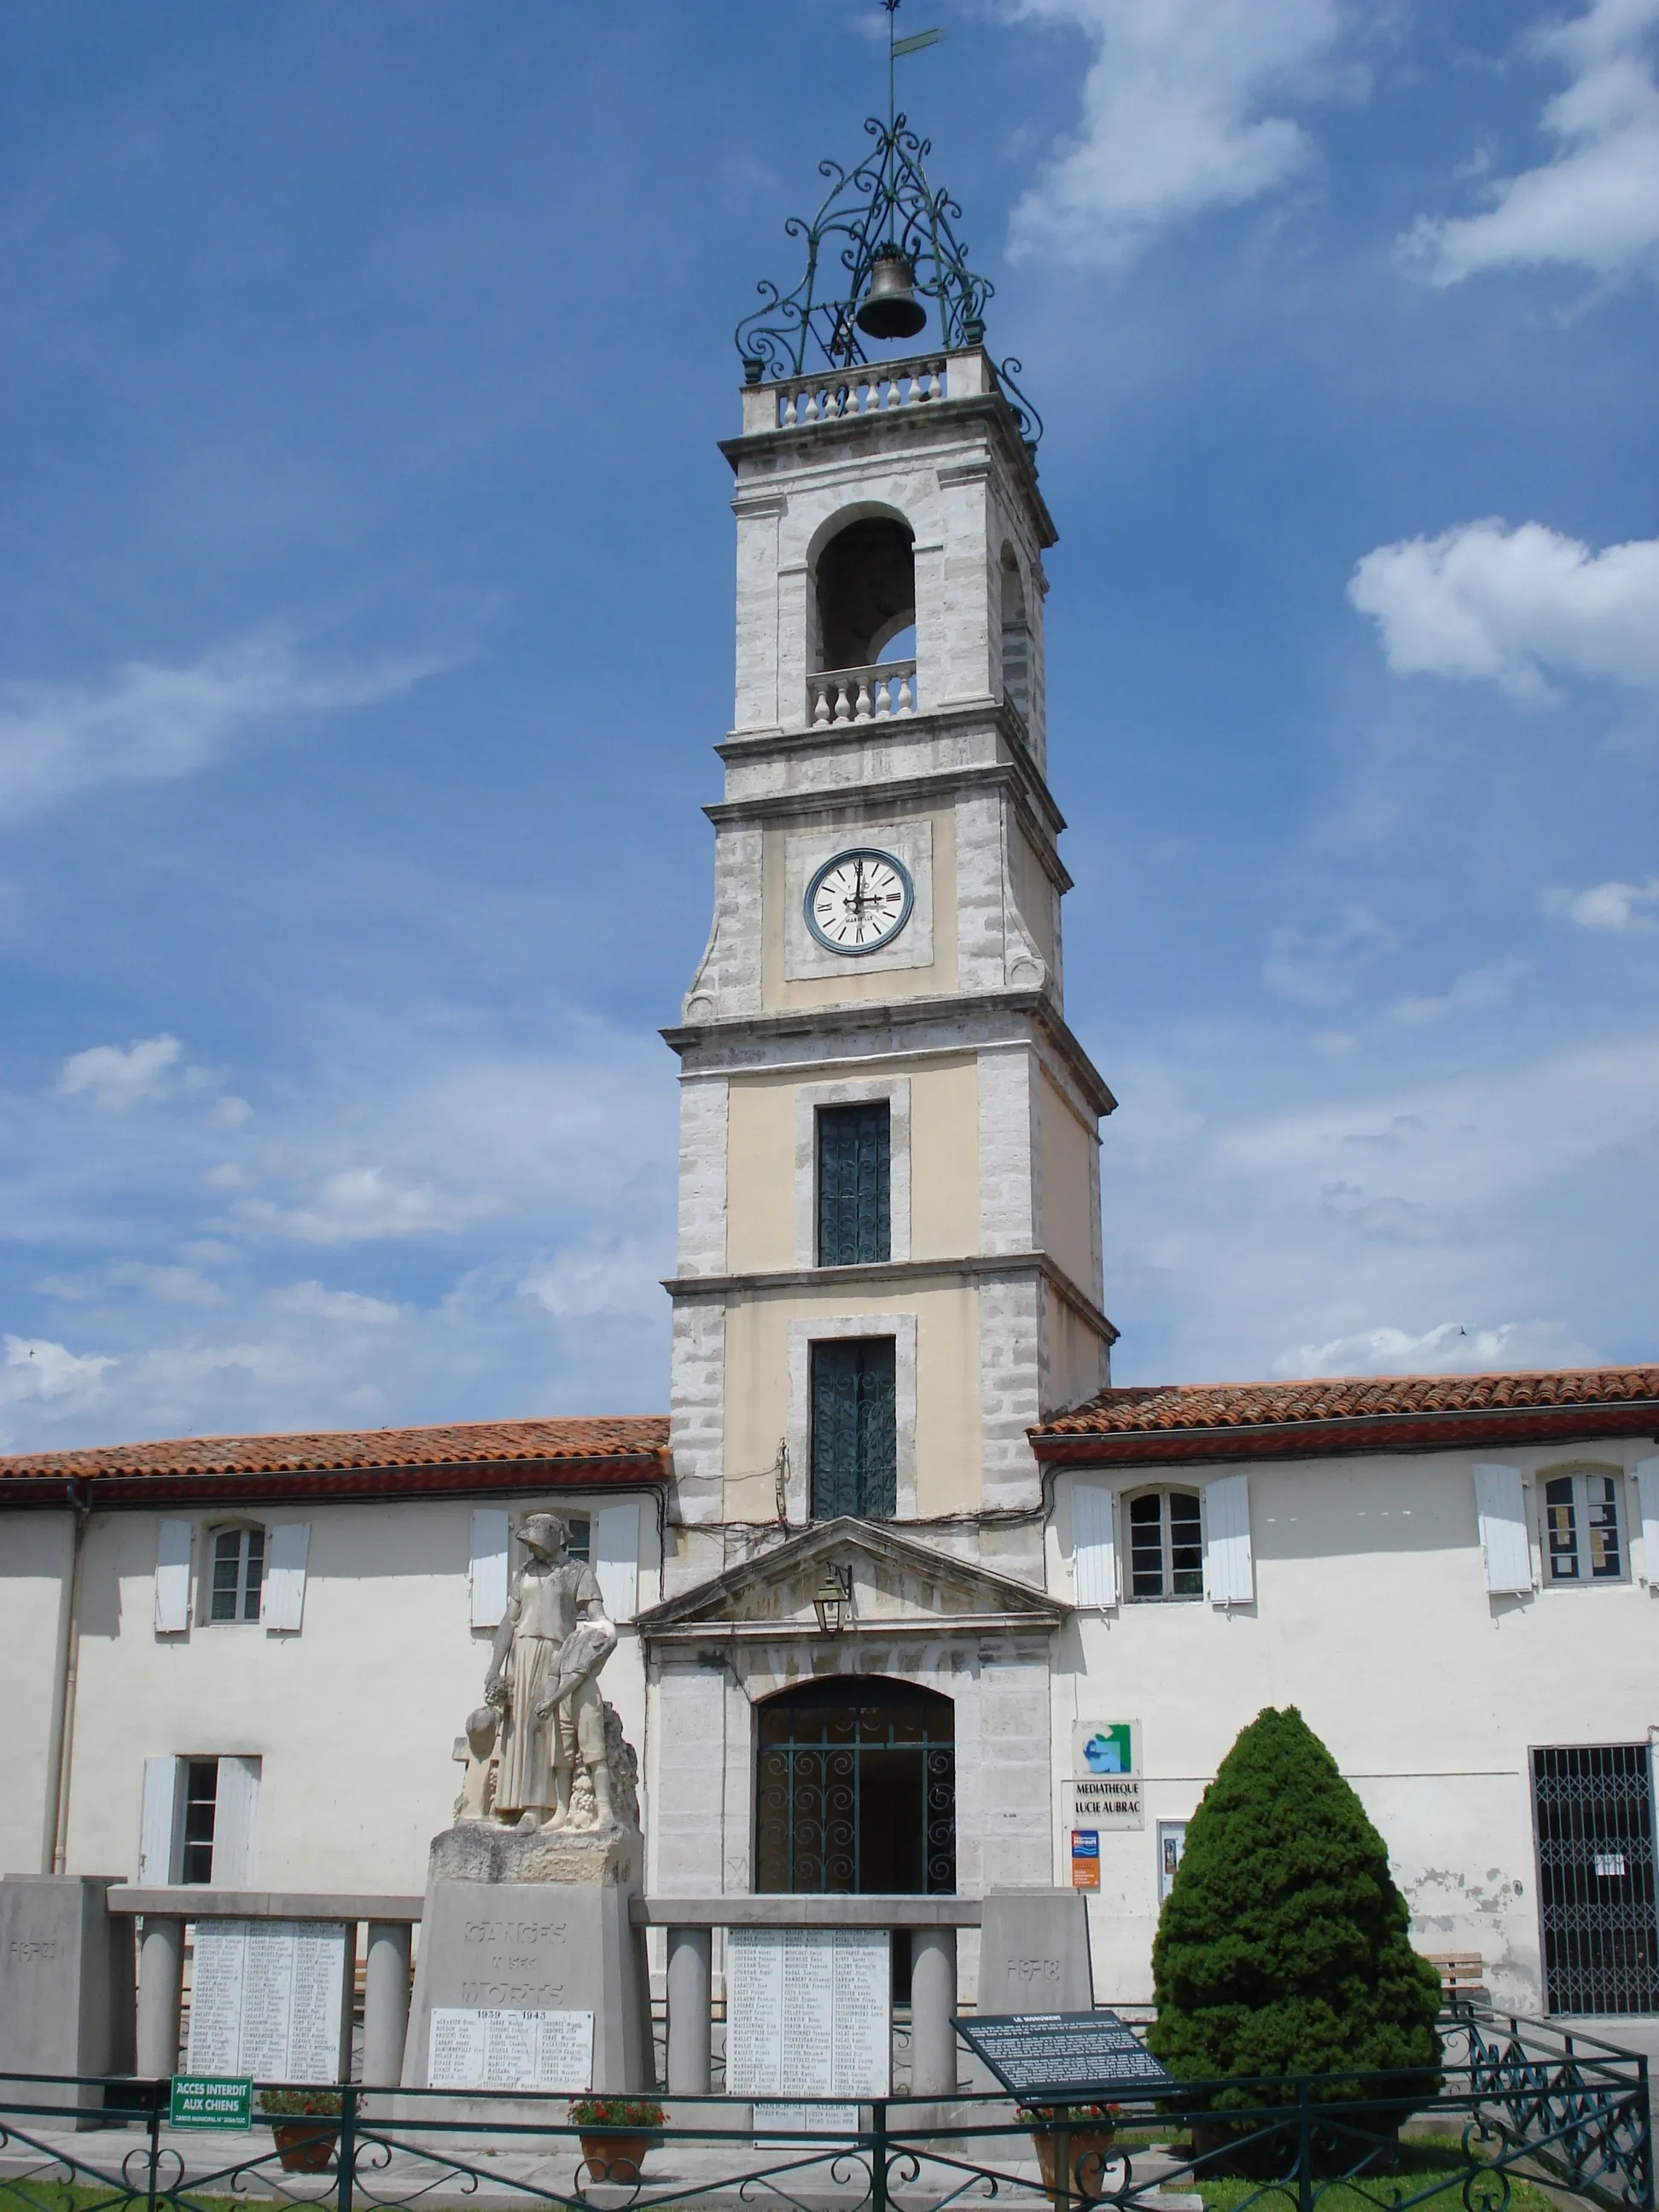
[876,222]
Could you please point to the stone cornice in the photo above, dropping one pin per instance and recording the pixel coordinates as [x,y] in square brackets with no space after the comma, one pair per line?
[879,1275]
[958,1010]
[938,783]
[937,423]
[744,745]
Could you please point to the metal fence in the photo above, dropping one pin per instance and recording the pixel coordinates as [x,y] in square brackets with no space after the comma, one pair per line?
[1513,2098]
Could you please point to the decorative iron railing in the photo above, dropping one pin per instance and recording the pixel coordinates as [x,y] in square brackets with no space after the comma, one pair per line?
[1513,2101]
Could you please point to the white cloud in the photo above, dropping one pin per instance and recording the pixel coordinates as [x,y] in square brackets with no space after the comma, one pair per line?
[1450,1349]
[172,1287]
[1483,600]
[1595,206]
[578,1283]
[115,1077]
[147,722]
[313,1301]
[1181,114]
[1609,906]
[1481,988]
[358,1204]
[35,1370]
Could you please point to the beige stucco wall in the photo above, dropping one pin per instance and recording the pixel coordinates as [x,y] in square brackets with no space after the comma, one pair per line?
[1070,1231]
[1034,892]
[944,1208]
[935,977]
[758,1389]
[1076,1358]
[764,1169]
[35,1551]
[354,1718]
[1371,1613]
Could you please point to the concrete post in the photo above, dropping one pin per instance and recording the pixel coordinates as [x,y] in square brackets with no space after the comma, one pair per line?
[160,1979]
[932,2001]
[386,2003]
[690,1956]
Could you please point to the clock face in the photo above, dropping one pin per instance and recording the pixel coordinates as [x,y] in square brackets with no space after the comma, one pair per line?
[860,901]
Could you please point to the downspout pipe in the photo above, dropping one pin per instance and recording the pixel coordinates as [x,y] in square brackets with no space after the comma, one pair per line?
[54,1843]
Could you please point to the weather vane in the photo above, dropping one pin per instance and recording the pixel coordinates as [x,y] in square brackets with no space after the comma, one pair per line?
[882,244]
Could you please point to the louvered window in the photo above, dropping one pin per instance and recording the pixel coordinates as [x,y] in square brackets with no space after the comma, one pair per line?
[855,1429]
[856,1173]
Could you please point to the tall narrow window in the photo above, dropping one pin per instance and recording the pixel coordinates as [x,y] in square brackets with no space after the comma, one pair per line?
[201,1815]
[855,1429]
[1166,1544]
[855,1175]
[1581,1528]
[239,1569]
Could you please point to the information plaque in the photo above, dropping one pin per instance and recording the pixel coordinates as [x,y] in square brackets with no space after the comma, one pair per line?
[473,2047]
[267,1999]
[1087,2055]
[807,2013]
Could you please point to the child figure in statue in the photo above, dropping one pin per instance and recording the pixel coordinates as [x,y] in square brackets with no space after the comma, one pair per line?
[542,1681]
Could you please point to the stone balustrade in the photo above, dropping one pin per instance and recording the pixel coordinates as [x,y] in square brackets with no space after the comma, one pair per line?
[830,396]
[877,694]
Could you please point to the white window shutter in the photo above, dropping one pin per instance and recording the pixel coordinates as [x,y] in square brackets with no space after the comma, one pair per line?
[1647,1491]
[1094,1557]
[171,1577]
[488,1572]
[1500,1505]
[235,1818]
[1229,1569]
[282,1599]
[161,1822]
[617,1558]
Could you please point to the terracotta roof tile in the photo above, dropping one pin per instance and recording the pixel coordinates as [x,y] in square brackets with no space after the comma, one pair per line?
[637,1443]
[1360,1410]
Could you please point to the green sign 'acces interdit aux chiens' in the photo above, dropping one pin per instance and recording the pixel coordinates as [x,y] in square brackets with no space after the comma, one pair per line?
[210,2100]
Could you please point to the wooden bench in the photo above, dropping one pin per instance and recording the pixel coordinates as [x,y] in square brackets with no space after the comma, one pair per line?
[1461,1976]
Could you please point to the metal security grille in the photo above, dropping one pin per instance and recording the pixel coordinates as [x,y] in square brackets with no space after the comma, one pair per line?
[855,1429]
[856,1798]
[856,1173]
[1593,1814]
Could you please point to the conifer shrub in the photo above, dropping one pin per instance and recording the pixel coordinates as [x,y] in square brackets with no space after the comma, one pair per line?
[1282,1946]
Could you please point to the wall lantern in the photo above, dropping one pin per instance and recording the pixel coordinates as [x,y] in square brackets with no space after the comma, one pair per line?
[833,1600]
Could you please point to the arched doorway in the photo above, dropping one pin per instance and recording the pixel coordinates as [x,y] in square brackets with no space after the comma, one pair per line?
[855,1789]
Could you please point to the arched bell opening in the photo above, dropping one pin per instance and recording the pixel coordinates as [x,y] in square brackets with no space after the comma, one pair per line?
[855,1789]
[866,591]
[1015,636]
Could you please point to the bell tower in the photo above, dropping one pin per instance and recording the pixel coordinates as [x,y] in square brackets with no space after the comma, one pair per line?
[889,1239]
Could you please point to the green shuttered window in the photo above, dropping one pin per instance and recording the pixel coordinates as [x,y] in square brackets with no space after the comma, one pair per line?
[856,1173]
[855,1429]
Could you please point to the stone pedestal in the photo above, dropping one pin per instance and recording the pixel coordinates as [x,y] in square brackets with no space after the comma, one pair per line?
[535,1924]
[1034,1951]
[67,1983]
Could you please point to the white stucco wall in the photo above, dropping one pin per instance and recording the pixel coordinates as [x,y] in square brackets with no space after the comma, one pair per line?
[353,1718]
[1372,1615]
[35,1551]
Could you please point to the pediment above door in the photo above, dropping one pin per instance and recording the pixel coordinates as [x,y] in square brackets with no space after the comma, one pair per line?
[899,1585]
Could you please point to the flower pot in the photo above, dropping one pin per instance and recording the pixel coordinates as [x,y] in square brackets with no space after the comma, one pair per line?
[1085,2153]
[615,2157]
[306,2146]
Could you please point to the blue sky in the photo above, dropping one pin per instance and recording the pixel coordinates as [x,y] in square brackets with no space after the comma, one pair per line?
[365,625]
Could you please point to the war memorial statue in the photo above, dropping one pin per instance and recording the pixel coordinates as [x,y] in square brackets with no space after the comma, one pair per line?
[528,1893]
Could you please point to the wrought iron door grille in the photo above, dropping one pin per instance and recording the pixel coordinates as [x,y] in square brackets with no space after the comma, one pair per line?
[1593,1815]
[855,1176]
[856,1798]
[854,1428]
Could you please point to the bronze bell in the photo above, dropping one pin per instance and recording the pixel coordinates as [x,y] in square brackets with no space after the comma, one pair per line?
[891,309]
